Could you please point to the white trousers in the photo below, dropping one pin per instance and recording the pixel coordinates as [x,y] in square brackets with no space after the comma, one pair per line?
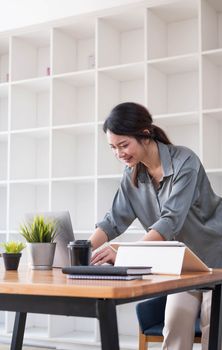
[181,312]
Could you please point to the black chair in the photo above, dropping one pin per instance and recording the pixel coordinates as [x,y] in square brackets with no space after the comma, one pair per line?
[150,314]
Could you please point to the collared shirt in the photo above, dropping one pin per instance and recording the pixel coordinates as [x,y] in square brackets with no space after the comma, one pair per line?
[184,207]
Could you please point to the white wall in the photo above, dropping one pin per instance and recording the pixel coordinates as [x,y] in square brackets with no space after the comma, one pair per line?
[20,13]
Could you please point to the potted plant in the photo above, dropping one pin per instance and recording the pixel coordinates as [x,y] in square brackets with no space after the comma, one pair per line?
[12,254]
[40,235]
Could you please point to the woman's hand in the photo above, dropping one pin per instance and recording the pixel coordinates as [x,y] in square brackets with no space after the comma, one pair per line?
[105,255]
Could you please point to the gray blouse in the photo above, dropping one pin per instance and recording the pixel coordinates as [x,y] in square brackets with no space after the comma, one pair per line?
[184,208]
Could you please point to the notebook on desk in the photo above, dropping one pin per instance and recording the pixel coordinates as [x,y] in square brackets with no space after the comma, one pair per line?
[64,235]
[109,272]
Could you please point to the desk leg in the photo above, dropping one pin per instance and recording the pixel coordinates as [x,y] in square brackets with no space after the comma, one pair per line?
[18,331]
[106,313]
[216,319]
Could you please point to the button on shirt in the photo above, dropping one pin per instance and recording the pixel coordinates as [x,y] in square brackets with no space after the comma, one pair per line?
[184,207]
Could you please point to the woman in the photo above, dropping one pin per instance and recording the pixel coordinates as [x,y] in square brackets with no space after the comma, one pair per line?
[167,189]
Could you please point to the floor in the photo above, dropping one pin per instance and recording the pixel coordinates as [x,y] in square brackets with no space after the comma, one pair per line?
[7,347]
[152,346]
[158,347]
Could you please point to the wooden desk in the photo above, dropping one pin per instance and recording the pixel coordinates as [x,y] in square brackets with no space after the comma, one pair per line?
[50,292]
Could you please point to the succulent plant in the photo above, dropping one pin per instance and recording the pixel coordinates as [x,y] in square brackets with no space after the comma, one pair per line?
[40,230]
[13,247]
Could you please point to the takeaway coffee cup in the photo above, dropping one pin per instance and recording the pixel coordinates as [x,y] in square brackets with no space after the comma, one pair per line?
[80,252]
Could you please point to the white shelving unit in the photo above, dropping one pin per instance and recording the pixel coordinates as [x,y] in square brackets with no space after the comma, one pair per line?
[4,60]
[58,82]
[30,55]
[74,46]
[30,102]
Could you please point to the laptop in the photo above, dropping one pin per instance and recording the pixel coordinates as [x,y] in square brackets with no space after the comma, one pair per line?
[64,235]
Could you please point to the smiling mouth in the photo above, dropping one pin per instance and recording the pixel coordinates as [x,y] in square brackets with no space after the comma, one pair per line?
[127,160]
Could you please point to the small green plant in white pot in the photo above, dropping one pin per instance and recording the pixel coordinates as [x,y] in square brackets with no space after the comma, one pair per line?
[12,254]
[40,235]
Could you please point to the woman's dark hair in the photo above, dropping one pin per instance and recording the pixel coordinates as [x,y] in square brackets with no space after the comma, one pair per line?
[132,119]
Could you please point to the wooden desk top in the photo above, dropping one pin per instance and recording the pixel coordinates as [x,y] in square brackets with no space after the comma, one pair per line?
[55,283]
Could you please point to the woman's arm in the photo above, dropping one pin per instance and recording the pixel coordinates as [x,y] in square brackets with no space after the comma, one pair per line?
[153,235]
[98,238]
[108,254]
[105,255]
[121,215]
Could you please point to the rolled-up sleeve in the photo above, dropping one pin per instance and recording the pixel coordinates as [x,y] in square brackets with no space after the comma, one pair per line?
[121,215]
[175,209]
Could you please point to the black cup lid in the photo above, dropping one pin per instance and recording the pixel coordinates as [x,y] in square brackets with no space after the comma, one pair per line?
[80,243]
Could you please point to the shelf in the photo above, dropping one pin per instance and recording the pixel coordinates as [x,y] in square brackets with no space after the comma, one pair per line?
[114,176]
[178,126]
[176,64]
[173,88]
[177,118]
[9,319]
[216,182]
[212,80]
[107,163]
[75,179]
[214,111]
[215,177]
[29,181]
[128,342]
[3,107]
[178,131]
[78,337]
[78,198]
[68,147]
[215,56]
[172,29]
[107,188]
[3,208]
[16,236]
[212,129]
[123,31]
[77,128]
[26,198]
[4,60]
[36,333]
[2,320]
[4,90]
[214,171]
[124,312]
[29,155]
[3,157]
[37,132]
[74,98]
[35,324]
[120,84]
[36,84]
[30,104]
[30,55]
[71,327]
[74,47]
[125,72]
[211,24]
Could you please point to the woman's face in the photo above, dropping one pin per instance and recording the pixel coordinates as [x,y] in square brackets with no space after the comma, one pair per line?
[127,149]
